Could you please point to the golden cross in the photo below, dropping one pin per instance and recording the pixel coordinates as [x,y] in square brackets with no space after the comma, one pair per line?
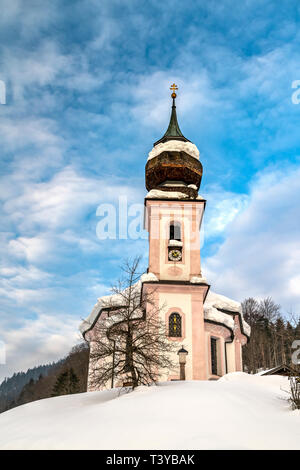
[173,87]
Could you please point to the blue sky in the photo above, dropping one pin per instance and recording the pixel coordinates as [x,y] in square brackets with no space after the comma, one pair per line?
[87,95]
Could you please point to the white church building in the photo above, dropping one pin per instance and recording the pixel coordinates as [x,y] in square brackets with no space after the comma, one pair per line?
[210,326]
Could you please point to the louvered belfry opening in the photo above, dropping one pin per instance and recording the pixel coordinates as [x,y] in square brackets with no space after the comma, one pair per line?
[175,231]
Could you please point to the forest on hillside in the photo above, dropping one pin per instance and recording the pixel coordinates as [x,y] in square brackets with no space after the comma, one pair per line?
[69,375]
[272,336]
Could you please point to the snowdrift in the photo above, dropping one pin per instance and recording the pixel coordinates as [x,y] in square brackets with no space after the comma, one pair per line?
[239,411]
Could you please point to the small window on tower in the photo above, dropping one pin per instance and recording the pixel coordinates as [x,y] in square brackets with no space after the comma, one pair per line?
[175,231]
[175,325]
[214,356]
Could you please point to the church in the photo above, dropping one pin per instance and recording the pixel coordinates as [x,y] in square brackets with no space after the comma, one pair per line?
[208,328]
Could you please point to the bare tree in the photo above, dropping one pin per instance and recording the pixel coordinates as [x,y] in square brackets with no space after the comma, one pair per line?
[272,334]
[130,343]
[252,350]
[270,312]
[295,392]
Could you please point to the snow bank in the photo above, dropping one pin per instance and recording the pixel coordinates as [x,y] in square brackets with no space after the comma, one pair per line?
[239,411]
[175,146]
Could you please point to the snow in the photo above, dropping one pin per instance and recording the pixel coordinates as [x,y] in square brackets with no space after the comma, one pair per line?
[239,411]
[175,146]
[115,300]
[222,302]
[198,280]
[158,194]
[175,243]
[263,371]
[149,277]
[216,301]
[211,313]
[212,303]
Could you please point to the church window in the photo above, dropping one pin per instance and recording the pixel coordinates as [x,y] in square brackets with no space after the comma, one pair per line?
[175,325]
[214,358]
[175,231]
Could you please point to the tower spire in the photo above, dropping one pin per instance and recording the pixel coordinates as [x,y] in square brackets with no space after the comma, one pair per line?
[173,132]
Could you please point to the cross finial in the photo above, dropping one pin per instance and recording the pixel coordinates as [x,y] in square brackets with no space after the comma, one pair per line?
[173,88]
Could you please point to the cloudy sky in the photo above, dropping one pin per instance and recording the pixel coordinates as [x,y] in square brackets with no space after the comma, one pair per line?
[87,94]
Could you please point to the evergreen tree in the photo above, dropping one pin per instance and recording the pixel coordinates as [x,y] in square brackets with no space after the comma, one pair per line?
[17,390]
[60,386]
[73,382]
[67,383]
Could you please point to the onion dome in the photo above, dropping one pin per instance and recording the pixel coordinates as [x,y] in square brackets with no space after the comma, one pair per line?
[174,161]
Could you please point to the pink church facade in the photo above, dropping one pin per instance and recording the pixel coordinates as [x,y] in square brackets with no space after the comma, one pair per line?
[209,326]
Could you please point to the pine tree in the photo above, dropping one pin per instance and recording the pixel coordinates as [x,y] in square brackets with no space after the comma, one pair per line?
[67,383]
[73,382]
[60,386]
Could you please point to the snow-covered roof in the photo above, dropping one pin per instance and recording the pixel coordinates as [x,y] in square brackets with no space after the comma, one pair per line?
[175,146]
[282,369]
[198,280]
[222,302]
[105,302]
[149,277]
[215,306]
[158,194]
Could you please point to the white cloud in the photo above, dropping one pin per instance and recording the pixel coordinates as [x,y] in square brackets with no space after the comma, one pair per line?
[62,201]
[34,147]
[30,19]
[31,249]
[21,275]
[153,103]
[261,254]
[25,297]
[222,207]
[43,339]
[47,65]
[16,134]
[25,287]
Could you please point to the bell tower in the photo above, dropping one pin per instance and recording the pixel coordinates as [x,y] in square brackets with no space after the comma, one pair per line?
[174,212]
[207,329]
[173,207]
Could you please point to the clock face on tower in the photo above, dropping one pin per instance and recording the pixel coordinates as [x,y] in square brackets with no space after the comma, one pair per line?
[175,255]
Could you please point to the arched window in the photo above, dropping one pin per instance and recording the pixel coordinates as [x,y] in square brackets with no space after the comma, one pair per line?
[175,325]
[175,231]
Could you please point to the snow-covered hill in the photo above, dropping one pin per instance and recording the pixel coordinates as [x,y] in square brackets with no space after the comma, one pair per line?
[239,411]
